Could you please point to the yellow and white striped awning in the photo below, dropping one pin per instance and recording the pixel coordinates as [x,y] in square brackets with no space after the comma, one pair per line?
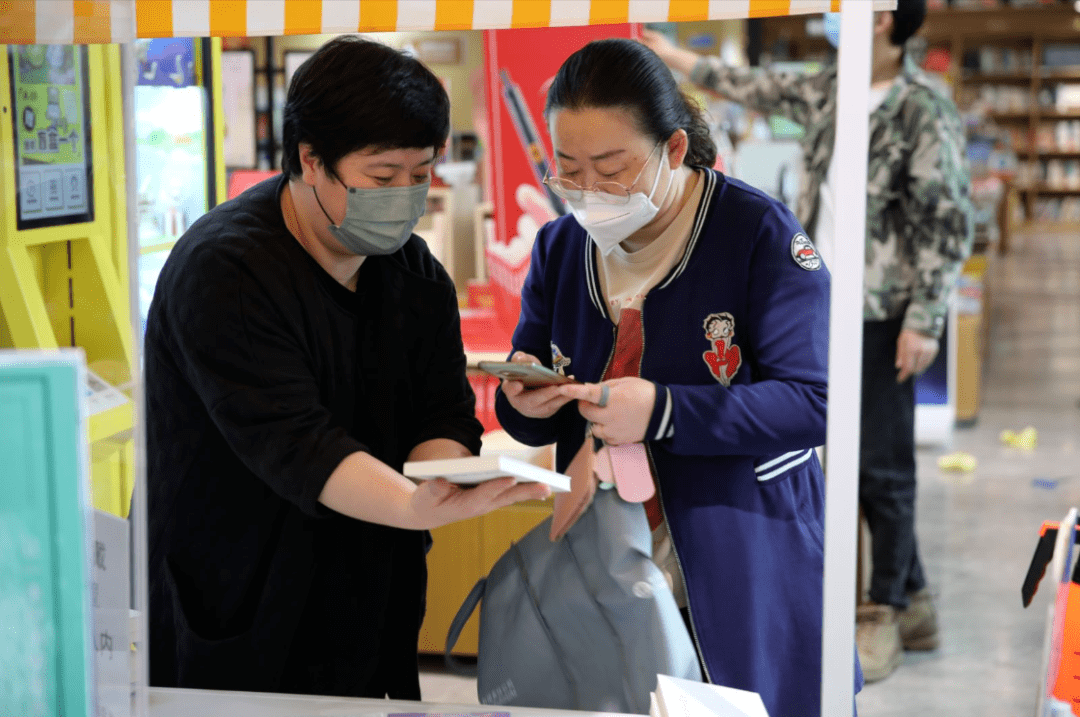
[103,21]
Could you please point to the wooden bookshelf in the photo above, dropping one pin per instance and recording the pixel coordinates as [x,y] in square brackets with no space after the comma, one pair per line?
[1026,32]
[1049,153]
[1060,75]
[1024,116]
[1048,189]
[997,77]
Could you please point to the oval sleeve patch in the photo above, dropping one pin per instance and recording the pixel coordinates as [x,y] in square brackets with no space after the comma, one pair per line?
[804,253]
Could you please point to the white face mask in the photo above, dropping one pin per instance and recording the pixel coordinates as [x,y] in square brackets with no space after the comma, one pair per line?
[609,220]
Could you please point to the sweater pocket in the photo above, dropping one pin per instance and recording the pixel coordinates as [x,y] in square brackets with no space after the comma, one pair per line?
[775,467]
[251,653]
[208,661]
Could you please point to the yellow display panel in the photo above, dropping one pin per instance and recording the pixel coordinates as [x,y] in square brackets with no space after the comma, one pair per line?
[67,285]
[218,108]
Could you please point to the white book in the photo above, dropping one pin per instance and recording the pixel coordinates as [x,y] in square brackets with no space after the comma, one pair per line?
[478,469]
[654,706]
[684,698]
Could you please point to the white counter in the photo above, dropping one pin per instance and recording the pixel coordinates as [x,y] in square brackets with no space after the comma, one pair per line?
[208,703]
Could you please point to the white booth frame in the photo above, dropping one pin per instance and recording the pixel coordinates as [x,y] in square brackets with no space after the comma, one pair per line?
[56,24]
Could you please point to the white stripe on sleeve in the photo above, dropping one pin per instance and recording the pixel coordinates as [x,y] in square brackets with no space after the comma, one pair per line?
[766,466]
[662,431]
[787,466]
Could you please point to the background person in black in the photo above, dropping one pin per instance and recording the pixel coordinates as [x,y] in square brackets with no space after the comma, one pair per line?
[301,346]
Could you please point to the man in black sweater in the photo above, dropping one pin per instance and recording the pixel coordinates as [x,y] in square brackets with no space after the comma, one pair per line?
[303,345]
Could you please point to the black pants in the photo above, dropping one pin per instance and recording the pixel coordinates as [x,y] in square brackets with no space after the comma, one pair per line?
[887,467]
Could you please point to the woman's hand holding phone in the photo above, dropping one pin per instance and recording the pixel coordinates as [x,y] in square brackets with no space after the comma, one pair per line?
[541,402]
[622,416]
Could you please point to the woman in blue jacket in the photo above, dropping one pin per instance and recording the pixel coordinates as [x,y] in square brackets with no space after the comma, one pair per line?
[696,310]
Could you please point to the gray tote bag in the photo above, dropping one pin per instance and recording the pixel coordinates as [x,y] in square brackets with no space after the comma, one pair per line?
[583,623]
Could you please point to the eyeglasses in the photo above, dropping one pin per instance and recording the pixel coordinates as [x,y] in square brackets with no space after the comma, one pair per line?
[571,191]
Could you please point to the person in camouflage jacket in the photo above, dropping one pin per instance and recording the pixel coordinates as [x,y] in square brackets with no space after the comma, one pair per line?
[918,228]
[919,231]
[918,208]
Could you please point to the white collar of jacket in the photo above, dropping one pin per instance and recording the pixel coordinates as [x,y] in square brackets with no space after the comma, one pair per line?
[592,272]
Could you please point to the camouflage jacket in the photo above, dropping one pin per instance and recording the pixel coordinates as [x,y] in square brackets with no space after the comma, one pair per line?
[919,217]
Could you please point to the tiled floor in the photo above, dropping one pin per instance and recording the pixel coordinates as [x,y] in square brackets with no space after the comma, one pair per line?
[978,531]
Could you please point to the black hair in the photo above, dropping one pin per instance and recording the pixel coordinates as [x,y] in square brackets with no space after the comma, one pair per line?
[907,19]
[354,93]
[725,317]
[625,74]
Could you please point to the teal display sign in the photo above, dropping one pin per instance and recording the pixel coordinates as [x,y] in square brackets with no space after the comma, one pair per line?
[46,647]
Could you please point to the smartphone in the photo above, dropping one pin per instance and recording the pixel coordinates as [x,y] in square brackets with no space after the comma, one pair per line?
[533,375]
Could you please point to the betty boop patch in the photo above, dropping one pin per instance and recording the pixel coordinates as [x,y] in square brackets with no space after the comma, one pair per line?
[804,253]
[724,358]
[559,361]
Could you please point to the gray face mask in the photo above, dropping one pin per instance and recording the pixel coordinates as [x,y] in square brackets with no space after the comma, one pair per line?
[379,221]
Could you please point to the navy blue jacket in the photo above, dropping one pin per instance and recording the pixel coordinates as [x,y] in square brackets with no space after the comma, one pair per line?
[736,340]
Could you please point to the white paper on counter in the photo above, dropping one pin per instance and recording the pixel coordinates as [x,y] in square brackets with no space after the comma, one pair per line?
[112,661]
[171,702]
[677,697]
[112,562]
[100,395]
[654,706]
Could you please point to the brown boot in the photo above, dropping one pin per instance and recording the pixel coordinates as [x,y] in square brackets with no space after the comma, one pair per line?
[877,637]
[918,624]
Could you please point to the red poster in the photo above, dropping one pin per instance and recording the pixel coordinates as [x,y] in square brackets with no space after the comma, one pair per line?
[520,65]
